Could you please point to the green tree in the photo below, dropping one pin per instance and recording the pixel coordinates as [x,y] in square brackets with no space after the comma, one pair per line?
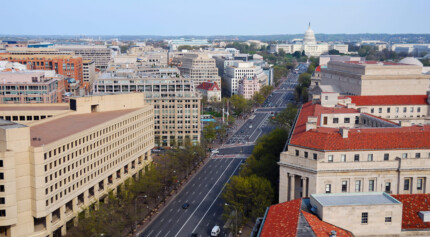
[333,52]
[239,104]
[281,52]
[258,98]
[286,117]
[209,131]
[266,90]
[297,54]
[305,79]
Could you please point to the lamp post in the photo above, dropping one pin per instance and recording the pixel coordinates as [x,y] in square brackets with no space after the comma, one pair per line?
[135,206]
[235,233]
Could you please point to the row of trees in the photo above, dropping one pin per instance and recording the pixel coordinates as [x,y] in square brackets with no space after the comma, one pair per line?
[255,188]
[301,91]
[135,199]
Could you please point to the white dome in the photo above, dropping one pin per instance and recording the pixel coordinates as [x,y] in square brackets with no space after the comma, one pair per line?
[412,61]
[309,36]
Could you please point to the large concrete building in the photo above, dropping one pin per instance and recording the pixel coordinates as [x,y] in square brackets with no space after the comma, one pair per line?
[234,74]
[309,45]
[337,147]
[53,169]
[175,99]
[174,44]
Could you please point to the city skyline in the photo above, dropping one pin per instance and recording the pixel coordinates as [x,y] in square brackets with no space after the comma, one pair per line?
[173,18]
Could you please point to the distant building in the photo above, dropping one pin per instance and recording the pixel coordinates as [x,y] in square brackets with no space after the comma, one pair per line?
[415,49]
[248,86]
[25,87]
[174,44]
[235,73]
[380,45]
[309,45]
[210,91]
[89,71]
[99,53]
[59,167]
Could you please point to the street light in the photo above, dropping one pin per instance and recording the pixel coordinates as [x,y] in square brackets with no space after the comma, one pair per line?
[226,204]
[135,206]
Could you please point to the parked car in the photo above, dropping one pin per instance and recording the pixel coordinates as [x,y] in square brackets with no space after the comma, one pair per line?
[185,205]
[215,231]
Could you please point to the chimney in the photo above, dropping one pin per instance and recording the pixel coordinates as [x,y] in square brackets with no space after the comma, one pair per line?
[344,132]
[310,125]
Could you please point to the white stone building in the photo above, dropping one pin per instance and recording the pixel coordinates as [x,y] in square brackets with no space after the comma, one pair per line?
[238,71]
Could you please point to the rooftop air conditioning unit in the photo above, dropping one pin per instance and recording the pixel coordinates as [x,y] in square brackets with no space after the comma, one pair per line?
[425,216]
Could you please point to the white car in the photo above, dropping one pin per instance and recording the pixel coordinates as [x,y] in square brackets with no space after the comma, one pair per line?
[215,231]
[215,151]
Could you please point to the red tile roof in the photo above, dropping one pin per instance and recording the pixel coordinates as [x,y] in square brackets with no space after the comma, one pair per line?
[415,137]
[373,62]
[208,86]
[389,100]
[323,229]
[282,219]
[318,69]
[412,205]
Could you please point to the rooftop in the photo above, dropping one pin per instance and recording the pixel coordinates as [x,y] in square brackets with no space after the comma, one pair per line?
[32,108]
[69,125]
[354,199]
[6,124]
[208,86]
[389,100]
[412,205]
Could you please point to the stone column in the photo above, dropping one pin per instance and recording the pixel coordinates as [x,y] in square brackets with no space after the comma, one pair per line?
[292,186]
[305,187]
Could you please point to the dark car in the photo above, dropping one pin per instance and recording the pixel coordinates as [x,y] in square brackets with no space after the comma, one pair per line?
[185,206]
[193,235]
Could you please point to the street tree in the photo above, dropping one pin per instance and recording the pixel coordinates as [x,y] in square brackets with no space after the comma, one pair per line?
[286,117]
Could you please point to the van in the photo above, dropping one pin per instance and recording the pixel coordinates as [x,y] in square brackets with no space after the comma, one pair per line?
[215,231]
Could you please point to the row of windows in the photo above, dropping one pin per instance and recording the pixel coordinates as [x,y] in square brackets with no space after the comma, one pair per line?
[356,157]
[397,109]
[372,185]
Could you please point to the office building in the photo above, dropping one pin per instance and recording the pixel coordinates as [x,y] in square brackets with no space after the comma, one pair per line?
[248,86]
[66,65]
[101,54]
[414,49]
[55,168]
[89,72]
[175,100]
[239,70]
[174,44]
[210,91]
[338,148]
[24,87]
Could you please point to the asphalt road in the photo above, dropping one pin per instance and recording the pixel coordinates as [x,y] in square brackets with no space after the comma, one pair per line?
[206,207]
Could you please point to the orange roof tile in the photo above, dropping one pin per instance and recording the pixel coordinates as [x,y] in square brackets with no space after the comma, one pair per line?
[412,205]
[389,100]
[323,229]
[282,219]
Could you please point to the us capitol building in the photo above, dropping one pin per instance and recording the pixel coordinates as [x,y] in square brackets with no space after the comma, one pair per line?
[310,45]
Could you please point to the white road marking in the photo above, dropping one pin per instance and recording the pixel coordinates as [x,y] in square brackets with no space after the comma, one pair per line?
[167,234]
[216,197]
[150,232]
[171,209]
[158,233]
[204,199]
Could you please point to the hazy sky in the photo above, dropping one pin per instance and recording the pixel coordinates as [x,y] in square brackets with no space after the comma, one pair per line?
[214,17]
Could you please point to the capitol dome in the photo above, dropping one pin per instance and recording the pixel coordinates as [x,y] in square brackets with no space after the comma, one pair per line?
[412,61]
[309,36]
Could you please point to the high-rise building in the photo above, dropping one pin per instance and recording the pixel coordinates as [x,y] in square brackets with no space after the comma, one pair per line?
[89,71]
[239,70]
[53,169]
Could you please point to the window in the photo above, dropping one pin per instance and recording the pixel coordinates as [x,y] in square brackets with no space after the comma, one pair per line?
[419,109]
[356,157]
[380,110]
[306,154]
[404,109]
[417,155]
[2,212]
[1,163]
[406,184]
[325,97]
[346,120]
[388,219]
[315,156]
[335,120]
[412,109]
[371,185]
[1,188]
[358,186]
[372,110]
[330,158]
[370,157]
[388,187]
[364,217]
[386,156]
[328,188]
[2,200]
[405,155]
[344,186]
[343,158]
[1,176]
[397,109]
[357,120]
[388,110]
[420,183]
[297,153]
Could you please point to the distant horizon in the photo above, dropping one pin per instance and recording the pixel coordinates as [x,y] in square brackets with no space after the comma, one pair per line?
[203,18]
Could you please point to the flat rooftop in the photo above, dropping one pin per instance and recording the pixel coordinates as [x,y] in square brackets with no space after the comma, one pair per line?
[34,107]
[354,199]
[51,131]
[5,124]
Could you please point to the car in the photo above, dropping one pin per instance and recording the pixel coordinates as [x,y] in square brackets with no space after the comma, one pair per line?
[185,205]
[215,151]
[215,230]
[250,126]
[193,235]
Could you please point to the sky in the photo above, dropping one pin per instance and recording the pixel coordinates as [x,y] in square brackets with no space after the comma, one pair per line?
[214,17]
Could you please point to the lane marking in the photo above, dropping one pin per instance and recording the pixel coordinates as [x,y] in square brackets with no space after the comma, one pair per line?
[158,233]
[217,197]
[204,199]
[150,233]
[167,234]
